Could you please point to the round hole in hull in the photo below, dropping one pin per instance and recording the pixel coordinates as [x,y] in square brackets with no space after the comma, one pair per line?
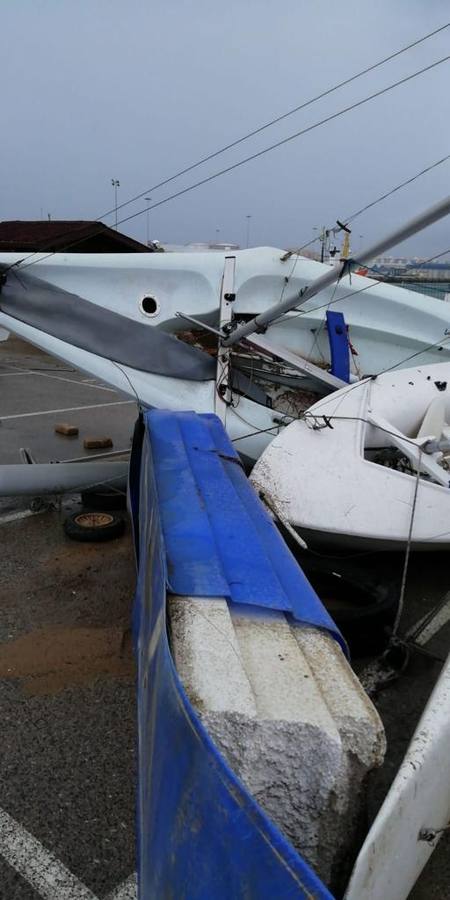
[149,305]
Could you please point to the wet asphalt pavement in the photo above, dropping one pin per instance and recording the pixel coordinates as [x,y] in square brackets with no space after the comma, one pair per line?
[401,703]
[67,704]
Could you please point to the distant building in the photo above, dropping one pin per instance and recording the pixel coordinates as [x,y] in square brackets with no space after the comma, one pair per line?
[413,266]
[68,235]
[415,273]
[201,247]
[215,245]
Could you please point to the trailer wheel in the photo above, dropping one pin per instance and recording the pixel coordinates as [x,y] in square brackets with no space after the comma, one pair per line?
[94,526]
[106,499]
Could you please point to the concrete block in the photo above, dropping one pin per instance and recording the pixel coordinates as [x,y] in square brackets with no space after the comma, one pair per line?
[284,707]
[66,429]
[97,443]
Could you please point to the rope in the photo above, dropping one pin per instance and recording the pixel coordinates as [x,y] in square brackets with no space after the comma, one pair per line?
[407,555]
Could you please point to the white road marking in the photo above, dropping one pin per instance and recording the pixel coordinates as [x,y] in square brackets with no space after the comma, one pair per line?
[22,514]
[430,625]
[96,387]
[44,872]
[125,891]
[53,412]
[95,383]
[40,868]
[82,382]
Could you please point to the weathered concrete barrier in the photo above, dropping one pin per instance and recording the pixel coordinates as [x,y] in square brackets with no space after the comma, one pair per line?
[286,710]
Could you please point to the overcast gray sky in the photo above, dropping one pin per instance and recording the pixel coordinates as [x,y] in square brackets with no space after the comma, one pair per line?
[136,90]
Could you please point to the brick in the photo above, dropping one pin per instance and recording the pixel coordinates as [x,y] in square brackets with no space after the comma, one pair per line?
[66,429]
[97,443]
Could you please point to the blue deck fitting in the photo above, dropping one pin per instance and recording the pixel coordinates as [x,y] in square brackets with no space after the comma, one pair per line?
[339,346]
[200,529]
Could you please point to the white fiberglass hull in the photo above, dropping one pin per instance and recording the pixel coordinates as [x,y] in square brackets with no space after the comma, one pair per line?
[321,475]
[386,324]
[250,425]
[415,813]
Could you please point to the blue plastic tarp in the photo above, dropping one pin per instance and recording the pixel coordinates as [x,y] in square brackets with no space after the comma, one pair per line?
[218,537]
[201,835]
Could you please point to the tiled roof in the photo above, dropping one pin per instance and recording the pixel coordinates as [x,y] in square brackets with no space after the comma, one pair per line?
[62,234]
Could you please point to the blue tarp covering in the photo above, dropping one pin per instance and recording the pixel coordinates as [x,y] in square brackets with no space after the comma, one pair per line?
[218,537]
[339,346]
[201,836]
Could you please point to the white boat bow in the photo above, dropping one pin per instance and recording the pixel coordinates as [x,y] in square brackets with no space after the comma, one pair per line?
[346,473]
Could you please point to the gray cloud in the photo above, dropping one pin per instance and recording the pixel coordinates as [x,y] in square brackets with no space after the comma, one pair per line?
[136,91]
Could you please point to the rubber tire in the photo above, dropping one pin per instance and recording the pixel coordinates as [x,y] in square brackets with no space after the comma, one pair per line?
[109,532]
[366,618]
[103,500]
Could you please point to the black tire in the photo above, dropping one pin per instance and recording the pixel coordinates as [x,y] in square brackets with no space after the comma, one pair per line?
[363,608]
[94,526]
[361,594]
[103,499]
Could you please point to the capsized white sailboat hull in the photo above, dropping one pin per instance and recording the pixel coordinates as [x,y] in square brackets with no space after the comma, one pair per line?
[322,475]
[415,812]
[386,324]
[250,425]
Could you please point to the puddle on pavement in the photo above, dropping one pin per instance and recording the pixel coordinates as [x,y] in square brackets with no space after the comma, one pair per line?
[49,660]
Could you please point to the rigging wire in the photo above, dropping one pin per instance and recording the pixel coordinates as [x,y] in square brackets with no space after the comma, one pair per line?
[280,118]
[363,209]
[437,344]
[307,414]
[266,125]
[304,312]
[290,137]
[318,331]
[434,346]
[296,253]
[363,381]
[265,150]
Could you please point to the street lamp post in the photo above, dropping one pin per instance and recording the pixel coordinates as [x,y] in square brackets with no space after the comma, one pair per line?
[116,184]
[248,231]
[147,200]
